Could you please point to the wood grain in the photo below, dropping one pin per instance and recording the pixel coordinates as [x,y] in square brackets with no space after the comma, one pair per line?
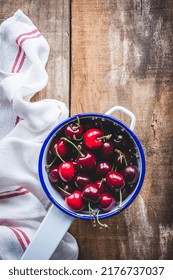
[122,55]
[52,18]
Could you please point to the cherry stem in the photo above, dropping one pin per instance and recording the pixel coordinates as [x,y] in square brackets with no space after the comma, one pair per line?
[67,140]
[120,205]
[121,154]
[77,139]
[62,190]
[76,124]
[98,221]
[114,168]
[105,137]
[95,216]
[50,164]
[102,180]
[92,214]
[58,155]
[78,121]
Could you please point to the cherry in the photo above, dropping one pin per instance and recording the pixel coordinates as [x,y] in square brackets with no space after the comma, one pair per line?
[124,193]
[106,151]
[88,166]
[102,169]
[92,138]
[107,202]
[75,201]
[74,131]
[54,174]
[66,171]
[76,166]
[81,180]
[60,148]
[131,174]
[86,161]
[115,180]
[65,190]
[120,159]
[101,184]
[122,141]
[91,193]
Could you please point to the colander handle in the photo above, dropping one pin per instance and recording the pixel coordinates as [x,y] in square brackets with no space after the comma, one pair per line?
[48,236]
[124,110]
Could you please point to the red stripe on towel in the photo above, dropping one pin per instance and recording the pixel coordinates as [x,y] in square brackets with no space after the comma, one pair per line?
[18,189]
[21,63]
[26,36]
[32,37]
[19,238]
[16,59]
[24,235]
[17,120]
[13,193]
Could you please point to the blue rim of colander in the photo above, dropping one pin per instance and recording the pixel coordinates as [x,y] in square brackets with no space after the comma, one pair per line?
[82,215]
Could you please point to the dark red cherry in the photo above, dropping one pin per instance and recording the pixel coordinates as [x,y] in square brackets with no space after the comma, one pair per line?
[75,201]
[92,138]
[101,184]
[74,131]
[115,180]
[65,190]
[102,169]
[86,162]
[81,180]
[66,171]
[106,151]
[122,141]
[54,174]
[131,174]
[107,202]
[91,193]
[60,147]
[125,193]
[120,159]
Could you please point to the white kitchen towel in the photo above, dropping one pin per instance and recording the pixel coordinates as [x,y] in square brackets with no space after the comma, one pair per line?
[23,127]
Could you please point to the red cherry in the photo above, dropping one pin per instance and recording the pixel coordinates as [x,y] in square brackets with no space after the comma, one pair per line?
[115,180]
[75,201]
[106,151]
[102,169]
[76,166]
[106,202]
[101,184]
[61,147]
[73,131]
[91,193]
[86,162]
[131,174]
[92,138]
[81,180]
[54,174]
[66,171]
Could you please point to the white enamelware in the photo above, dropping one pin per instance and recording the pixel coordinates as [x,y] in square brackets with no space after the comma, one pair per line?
[59,217]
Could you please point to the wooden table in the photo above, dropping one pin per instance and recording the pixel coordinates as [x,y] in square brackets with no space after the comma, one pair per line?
[117,52]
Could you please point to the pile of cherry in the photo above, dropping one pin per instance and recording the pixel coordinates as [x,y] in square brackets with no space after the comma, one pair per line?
[92,162]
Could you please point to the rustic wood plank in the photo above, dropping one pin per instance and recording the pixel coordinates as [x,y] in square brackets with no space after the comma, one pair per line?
[122,55]
[52,18]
